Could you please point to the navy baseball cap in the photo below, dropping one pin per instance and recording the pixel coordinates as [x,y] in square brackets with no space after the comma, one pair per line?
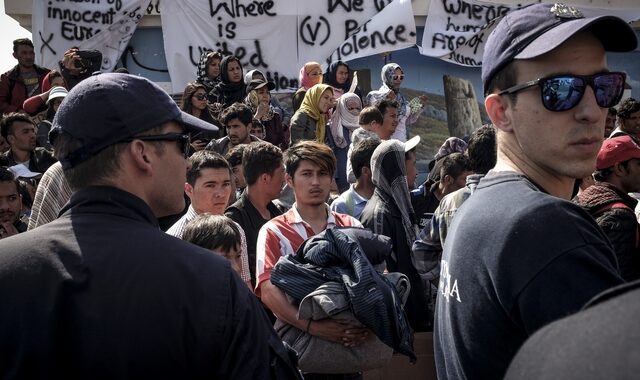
[537,29]
[108,108]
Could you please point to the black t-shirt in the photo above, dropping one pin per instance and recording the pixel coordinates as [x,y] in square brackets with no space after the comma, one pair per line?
[515,260]
[247,216]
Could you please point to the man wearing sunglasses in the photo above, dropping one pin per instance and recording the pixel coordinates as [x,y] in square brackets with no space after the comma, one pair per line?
[519,255]
[102,291]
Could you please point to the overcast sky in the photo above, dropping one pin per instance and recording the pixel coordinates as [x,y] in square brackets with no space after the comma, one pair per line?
[9,31]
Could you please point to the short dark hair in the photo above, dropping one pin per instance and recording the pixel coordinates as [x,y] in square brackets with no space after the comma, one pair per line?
[259,158]
[234,155]
[27,201]
[205,159]
[21,41]
[238,111]
[213,232]
[7,122]
[101,166]
[315,152]
[627,107]
[7,175]
[482,151]
[503,79]
[361,155]
[370,114]
[613,111]
[454,164]
[387,103]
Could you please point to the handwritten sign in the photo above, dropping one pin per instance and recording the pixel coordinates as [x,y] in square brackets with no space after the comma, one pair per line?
[392,28]
[456,30]
[278,37]
[105,25]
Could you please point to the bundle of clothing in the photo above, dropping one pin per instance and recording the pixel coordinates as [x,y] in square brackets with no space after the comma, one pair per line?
[332,275]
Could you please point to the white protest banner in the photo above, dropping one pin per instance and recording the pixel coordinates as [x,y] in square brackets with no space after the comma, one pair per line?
[261,34]
[325,25]
[456,30]
[393,28]
[105,25]
[276,37]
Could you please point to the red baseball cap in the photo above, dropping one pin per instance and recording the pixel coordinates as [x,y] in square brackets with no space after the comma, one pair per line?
[615,150]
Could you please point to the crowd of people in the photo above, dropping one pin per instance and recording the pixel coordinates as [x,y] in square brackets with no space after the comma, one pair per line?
[232,237]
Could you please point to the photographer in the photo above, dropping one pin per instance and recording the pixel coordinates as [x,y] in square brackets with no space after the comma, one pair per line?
[77,65]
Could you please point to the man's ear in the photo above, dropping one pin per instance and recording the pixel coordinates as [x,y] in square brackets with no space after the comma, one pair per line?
[188,189]
[139,152]
[289,180]
[448,180]
[497,108]
[620,170]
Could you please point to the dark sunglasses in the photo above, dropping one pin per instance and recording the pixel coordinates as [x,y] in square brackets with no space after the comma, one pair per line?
[182,139]
[200,96]
[563,92]
[400,77]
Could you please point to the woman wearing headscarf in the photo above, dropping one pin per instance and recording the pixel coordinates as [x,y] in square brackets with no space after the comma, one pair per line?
[194,102]
[231,88]
[309,121]
[344,121]
[209,69]
[258,99]
[310,75]
[340,77]
[409,111]
[389,212]
[285,114]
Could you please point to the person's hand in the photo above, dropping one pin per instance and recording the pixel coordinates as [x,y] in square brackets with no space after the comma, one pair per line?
[339,331]
[423,100]
[391,95]
[7,229]
[45,95]
[199,145]
[69,61]
[262,110]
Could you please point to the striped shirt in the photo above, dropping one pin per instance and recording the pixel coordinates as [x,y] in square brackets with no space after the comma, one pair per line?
[284,234]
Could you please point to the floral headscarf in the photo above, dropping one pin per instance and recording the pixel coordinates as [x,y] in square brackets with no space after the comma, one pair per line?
[387,73]
[202,72]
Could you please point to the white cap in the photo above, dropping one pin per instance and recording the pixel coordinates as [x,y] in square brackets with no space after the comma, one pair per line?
[21,171]
[411,143]
[57,92]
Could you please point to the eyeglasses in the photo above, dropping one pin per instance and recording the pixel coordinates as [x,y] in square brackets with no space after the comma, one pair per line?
[182,139]
[563,92]
[398,77]
[200,96]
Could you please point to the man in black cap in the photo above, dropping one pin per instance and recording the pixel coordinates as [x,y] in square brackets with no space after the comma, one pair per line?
[101,291]
[519,255]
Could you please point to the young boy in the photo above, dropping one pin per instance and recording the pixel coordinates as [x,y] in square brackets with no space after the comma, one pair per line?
[216,233]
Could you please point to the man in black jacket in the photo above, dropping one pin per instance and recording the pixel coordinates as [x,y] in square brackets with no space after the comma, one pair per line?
[20,133]
[102,292]
[617,174]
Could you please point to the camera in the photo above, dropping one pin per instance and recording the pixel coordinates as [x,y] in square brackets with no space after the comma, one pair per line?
[88,61]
